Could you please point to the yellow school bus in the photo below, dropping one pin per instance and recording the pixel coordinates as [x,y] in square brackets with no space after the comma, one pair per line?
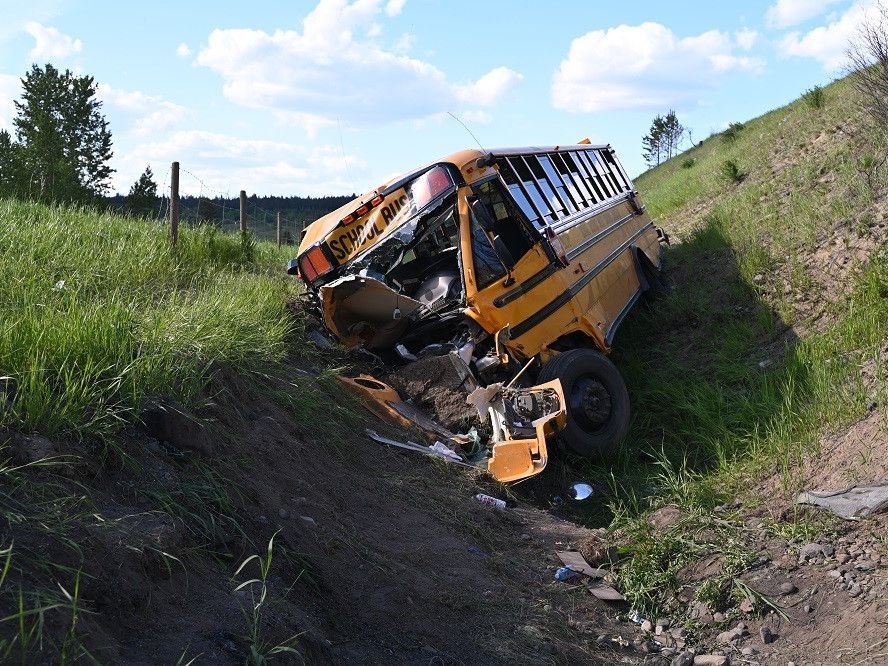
[523,262]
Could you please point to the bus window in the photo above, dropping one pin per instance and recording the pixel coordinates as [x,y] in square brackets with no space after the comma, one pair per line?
[509,223]
[488,267]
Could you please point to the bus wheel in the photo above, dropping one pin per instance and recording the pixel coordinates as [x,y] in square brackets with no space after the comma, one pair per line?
[597,401]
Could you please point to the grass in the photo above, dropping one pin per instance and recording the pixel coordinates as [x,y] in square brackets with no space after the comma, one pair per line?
[723,389]
[96,313]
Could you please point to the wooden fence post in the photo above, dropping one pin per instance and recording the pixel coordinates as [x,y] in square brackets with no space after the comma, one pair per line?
[243,210]
[279,230]
[174,205]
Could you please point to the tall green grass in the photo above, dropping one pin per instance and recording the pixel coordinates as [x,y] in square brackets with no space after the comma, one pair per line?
[97,312]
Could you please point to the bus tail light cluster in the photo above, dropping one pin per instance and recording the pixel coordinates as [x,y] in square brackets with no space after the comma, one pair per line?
[313,264]
[362,210]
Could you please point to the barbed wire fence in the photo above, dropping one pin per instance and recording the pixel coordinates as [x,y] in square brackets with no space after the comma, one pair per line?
[220,209]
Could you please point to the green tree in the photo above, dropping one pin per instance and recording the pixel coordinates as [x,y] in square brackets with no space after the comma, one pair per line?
[663,139]
[208,211]
[63,137]
[9,169]
[652,143]
[142,197]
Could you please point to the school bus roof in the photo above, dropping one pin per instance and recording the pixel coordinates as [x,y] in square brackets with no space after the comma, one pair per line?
[320,228]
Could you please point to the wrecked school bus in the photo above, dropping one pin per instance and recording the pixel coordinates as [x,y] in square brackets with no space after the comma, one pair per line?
[513,268]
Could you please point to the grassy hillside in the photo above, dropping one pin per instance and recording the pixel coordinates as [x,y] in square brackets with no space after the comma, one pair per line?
[96,313]
[773,335]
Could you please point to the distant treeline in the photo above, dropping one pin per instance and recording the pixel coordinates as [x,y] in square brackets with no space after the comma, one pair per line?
[295,212]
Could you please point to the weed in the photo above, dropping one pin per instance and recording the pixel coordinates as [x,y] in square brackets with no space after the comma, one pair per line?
[814,97]
[731,171]
[688,163]
[732,131]
[261,651]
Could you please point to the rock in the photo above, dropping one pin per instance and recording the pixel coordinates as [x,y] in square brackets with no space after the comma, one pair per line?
[284,514]
[665,517]
[758,278]
[699,611]
[595,551]
[747,606]
[749,651]
[308,520]
[854,590]
[663,623]
[169,422]
[718,617]
[808,608]
[767,635]
[787,588]
[731,635]
[812,550]
[711,660]
[32,448]
[525,537]
[647,626]
[651,647]
[683,659]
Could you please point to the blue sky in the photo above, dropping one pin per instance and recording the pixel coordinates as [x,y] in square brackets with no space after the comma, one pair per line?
[333,97]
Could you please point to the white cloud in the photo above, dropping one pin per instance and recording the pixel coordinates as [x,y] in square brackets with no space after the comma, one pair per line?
[326,72]
[827,43]
[10,89]
[600,73]
[183,50]
[50,43]
[214,164]
[149,114]
[787,13]
[490,87]
[394,7]
[746,38]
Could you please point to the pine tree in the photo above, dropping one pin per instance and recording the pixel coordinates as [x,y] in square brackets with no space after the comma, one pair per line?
[653,142]
[673,131]
[142,198]
[9,167]
[65,144]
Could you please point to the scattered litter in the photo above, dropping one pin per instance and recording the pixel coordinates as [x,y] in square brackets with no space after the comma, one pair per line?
[578,563]
[636,617]
[852,504]
[58,286]
[491,501]
[419,448]
[565,574]
[603,591]
[580,491]
[443,450]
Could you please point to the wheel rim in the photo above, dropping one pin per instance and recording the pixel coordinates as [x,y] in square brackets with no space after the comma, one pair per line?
[590,404]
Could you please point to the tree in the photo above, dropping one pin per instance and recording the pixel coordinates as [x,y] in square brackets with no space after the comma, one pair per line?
[653,142]
[64,141]
[208,211]
[9,168]
[142,197]
[868,57]
[663,139]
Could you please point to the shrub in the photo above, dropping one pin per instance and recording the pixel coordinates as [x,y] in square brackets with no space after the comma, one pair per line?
[688,163]
[731,170]
[732,132]
[814,97]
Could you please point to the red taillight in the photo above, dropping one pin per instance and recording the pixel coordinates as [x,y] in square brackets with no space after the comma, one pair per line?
[429,185]
[313,264]
[363,210]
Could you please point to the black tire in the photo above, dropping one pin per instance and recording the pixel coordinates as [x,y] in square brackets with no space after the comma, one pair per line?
[597,401]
